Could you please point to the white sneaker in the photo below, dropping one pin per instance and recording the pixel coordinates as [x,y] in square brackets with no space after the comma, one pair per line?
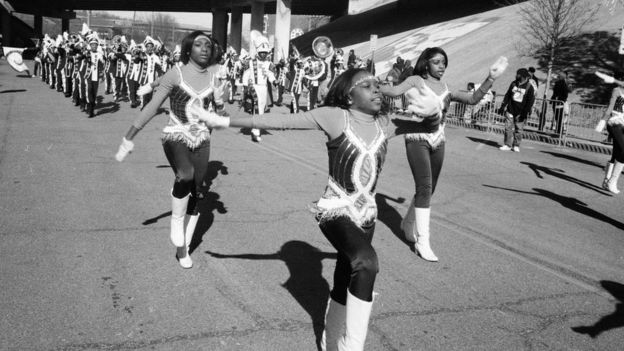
[504,148]
[186,262]
[516,149]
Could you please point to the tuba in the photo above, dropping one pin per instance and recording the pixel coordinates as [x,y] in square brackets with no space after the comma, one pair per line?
[322,47]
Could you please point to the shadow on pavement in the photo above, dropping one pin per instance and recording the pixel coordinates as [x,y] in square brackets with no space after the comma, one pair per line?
[109,107]
[558,173]
[389,216]
[572,158]
[611,321]
[567,202]
[485,141]
[12,91]
[306,283]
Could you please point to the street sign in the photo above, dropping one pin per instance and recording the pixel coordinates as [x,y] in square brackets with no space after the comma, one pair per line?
[373,42]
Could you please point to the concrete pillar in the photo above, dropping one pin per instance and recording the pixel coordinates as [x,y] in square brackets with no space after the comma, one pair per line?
[236,29]
[219,26]
[7,40]
[282,29]
[65,25]
[257,22]
[38,26]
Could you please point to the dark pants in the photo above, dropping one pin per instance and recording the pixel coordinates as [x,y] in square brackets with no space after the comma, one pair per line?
[558,115]
[190,167]
[120,84]
[92,88]
[356,263]
[426,165]
[133,86]
[616,132]
[313,96]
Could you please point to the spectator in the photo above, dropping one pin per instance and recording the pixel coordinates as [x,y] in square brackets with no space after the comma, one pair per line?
[516,107]
[351,60]
[559,98]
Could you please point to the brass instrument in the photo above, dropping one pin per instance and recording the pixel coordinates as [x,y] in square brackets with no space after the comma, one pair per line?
[322,47]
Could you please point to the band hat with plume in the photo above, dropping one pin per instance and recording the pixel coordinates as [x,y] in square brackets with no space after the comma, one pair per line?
[260,42]
[149,40]
[243,54]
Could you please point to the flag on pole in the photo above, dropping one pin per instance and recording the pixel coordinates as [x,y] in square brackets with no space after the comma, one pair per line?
[14,58]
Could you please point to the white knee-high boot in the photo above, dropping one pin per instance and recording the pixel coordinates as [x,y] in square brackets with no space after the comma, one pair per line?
[190,224]
[422,234]
[357,317]
[608,173]
[408,222]
[335,317]
[617,170]
[178,212]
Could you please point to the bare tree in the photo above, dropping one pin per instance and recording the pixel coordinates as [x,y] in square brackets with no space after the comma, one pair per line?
[547,24]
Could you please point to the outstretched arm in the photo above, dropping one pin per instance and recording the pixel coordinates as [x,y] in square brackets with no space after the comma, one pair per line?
[496,70]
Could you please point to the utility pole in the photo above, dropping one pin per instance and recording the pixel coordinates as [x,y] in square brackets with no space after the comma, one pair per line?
[152,26]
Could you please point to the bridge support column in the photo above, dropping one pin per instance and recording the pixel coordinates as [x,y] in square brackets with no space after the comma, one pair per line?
[38,26]
[236,29]
[219,27]
[257,22]
[65,25]
[6,27]
[282,29]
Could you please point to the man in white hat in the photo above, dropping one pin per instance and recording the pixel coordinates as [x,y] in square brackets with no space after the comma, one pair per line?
[151,67]
[258,74]
[95,70]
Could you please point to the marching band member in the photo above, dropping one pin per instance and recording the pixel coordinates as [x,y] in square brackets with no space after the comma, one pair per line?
[296,84]
[281,70]
[316,73]
[257,76]
[119,65]
[59,66]
[134,73]
[185,139]
[69,65]
[94,70]
[152,67]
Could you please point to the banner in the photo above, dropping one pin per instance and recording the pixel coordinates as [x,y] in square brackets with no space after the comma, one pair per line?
[14,58]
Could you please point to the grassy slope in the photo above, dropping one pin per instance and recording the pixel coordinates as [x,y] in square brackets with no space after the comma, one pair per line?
[470,55]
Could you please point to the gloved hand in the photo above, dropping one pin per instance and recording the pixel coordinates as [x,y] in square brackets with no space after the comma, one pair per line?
[145,89]
[211,119]
[497,69]
[125,148]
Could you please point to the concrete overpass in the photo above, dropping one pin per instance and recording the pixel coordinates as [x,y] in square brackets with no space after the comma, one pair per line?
[223,11]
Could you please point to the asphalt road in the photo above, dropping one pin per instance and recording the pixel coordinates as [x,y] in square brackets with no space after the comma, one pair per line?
[530,247]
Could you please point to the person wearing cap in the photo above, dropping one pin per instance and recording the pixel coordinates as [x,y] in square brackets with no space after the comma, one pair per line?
[151,68]
[516,107]
[94,72]
[256,76]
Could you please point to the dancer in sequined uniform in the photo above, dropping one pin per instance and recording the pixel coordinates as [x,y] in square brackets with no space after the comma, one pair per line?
[186,140]
[615,127]
[425,151]
[346,212]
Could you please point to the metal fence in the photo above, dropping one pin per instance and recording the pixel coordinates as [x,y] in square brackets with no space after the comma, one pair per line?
[548,117]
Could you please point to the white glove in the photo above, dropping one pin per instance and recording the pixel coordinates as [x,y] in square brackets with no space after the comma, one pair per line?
[600,126]
[497,69]
[125,148]
[607,79]
[144,89]
[211,119]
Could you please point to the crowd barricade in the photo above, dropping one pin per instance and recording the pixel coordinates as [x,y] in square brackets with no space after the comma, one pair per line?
[577,120]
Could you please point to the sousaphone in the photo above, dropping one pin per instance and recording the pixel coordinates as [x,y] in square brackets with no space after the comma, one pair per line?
[322,47]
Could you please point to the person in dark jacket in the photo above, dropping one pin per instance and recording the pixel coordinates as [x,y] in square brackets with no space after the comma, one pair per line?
[559,97]
[516,107]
